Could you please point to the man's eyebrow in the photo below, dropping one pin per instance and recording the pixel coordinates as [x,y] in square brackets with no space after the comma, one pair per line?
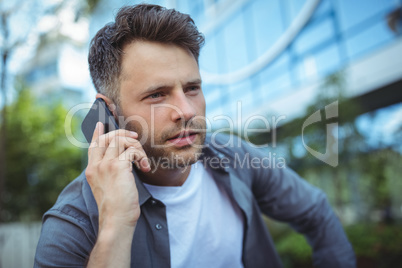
[154,88]
[157,87]
[194,82]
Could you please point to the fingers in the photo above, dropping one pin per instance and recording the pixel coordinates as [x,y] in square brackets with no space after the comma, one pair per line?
[100,141]
[138,157]
[99,130]
[129,149]
[95,150]
[120,144]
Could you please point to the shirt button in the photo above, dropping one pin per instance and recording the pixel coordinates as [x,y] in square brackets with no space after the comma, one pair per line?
[158,226]
[153,202]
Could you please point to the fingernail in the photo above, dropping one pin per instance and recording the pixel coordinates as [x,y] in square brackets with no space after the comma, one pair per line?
[145,163]
[134,133]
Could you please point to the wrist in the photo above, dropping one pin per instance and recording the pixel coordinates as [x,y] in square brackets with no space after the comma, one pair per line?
[113,246]
[110,219]
[116,229]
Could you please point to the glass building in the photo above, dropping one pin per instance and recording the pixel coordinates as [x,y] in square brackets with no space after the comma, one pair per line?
[269,57]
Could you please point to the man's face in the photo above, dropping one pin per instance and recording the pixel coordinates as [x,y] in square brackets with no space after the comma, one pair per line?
[161,99]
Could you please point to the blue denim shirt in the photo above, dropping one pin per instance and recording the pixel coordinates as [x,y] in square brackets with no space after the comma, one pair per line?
[70,227]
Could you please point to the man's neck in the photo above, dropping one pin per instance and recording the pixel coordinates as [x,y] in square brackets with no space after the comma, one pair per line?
[165,176]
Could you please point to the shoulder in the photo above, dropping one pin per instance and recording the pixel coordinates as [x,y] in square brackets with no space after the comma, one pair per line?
[75,203]
[69,228]
[237,156]
[233,147]
[254,165]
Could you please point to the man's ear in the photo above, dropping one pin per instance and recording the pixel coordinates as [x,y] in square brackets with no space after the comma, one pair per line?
[110,104]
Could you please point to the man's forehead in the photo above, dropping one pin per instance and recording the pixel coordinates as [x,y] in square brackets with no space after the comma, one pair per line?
[150,67]
[155,63]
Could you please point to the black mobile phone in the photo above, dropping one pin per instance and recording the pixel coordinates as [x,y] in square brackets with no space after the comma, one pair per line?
[99,112]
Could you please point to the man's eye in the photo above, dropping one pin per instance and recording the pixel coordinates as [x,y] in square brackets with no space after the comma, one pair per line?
[155,95]
[193,88]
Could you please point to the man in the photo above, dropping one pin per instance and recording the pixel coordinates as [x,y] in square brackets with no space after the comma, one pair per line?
[186,202]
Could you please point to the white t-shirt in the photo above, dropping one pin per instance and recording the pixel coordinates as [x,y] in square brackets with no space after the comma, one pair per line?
[205,228]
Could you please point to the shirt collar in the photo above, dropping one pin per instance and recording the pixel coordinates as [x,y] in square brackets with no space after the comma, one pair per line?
[143,193]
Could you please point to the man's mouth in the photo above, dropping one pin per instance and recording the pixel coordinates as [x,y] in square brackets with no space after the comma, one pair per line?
[183,138]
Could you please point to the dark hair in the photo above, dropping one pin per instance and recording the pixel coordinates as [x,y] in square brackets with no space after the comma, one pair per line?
[140,22]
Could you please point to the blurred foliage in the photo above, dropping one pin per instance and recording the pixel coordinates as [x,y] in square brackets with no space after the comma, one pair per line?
[92,5]
[376,246]
[40,159]
[294,251]
[86,8]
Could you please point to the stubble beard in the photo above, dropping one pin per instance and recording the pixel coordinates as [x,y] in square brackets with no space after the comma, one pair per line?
[163,155]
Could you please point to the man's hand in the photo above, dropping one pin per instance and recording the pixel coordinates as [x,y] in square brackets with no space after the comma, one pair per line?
[109,174]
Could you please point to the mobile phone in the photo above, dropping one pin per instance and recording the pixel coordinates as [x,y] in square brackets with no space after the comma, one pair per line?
[99,112]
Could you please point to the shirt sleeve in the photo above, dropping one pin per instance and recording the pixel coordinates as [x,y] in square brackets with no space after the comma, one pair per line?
[63,242]
[284,196]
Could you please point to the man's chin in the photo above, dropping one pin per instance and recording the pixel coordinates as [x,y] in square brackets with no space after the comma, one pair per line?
[174,156]
[185,156]
[175,159]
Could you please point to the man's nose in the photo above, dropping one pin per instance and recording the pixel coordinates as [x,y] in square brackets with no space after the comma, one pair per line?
[184,109]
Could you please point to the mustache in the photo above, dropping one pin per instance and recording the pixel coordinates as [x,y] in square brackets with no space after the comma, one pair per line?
[192,125]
